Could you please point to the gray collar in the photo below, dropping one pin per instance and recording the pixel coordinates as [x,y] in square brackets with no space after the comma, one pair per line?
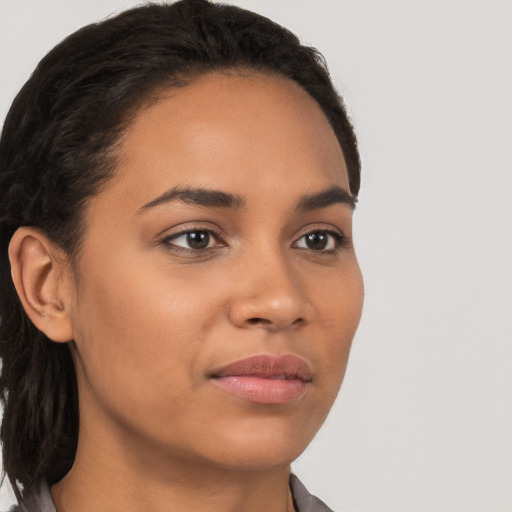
[40,499]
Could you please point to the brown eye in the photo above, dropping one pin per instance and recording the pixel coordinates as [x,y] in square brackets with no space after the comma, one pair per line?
[195,240]
[319,241]
[198,239]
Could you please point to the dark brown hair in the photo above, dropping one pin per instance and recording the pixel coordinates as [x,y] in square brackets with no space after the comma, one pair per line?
[58,148]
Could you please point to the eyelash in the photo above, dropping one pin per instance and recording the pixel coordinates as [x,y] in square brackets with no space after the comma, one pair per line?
[338,239]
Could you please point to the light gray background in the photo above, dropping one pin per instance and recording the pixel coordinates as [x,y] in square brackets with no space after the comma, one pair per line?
[424,419]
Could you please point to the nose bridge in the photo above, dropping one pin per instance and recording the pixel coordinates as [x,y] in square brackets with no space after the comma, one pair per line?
[269,292]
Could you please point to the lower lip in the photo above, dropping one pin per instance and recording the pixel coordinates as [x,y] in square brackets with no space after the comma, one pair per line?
[263,390]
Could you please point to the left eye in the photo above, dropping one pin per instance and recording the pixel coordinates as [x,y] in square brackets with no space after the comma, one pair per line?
[319,241]
[193,240]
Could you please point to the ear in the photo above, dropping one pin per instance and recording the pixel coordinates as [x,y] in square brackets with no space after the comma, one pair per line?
[42,276]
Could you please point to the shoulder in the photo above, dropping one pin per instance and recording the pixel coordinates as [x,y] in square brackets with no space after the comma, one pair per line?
[37,499]
[303,500]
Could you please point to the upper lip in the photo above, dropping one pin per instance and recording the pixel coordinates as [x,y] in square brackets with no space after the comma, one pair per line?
[267,366]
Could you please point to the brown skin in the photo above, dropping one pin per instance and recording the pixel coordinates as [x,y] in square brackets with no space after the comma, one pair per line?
[151,319]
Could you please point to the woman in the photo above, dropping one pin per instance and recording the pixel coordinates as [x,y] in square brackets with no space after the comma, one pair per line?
[179,286]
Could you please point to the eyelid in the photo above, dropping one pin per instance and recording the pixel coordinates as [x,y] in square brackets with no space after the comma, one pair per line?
[187,227]
[326,228]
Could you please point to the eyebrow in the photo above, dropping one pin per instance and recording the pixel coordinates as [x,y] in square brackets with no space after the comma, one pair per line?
[219,199]
[328,197]
[199,196]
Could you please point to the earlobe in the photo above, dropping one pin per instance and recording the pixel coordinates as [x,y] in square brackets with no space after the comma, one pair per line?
[40,277]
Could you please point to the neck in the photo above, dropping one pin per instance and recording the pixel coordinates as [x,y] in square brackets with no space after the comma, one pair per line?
[106,475]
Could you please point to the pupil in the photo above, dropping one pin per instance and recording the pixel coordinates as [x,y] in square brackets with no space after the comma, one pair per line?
[317,241]
[198,239]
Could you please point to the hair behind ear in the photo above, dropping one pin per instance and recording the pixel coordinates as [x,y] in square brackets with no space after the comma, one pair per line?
[40,427]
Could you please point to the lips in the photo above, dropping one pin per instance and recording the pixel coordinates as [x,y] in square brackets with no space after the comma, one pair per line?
[265,379]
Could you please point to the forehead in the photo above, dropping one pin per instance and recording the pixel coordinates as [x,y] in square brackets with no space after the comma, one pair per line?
[233,132]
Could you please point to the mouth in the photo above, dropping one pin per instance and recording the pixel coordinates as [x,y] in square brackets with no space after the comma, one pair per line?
[265,379]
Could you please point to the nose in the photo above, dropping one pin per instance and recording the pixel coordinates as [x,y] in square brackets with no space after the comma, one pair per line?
[269,295]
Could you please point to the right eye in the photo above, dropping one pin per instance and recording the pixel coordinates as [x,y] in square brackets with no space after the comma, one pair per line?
[194,240]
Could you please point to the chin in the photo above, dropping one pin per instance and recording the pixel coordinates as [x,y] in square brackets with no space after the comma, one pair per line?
[260,445]
[254,458]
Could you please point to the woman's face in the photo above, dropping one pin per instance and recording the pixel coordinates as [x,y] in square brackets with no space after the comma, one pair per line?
[217,288]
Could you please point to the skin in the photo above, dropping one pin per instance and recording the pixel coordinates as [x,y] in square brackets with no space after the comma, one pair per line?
[152,318]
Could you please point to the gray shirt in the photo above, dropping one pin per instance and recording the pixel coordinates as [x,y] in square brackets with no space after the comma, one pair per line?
[40,499]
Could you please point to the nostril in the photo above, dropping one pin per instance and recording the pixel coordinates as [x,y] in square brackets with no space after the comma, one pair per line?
[254,321]
[265,322]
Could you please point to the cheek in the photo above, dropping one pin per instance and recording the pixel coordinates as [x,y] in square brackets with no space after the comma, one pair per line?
[138,328]
[339,314]
[347,303]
